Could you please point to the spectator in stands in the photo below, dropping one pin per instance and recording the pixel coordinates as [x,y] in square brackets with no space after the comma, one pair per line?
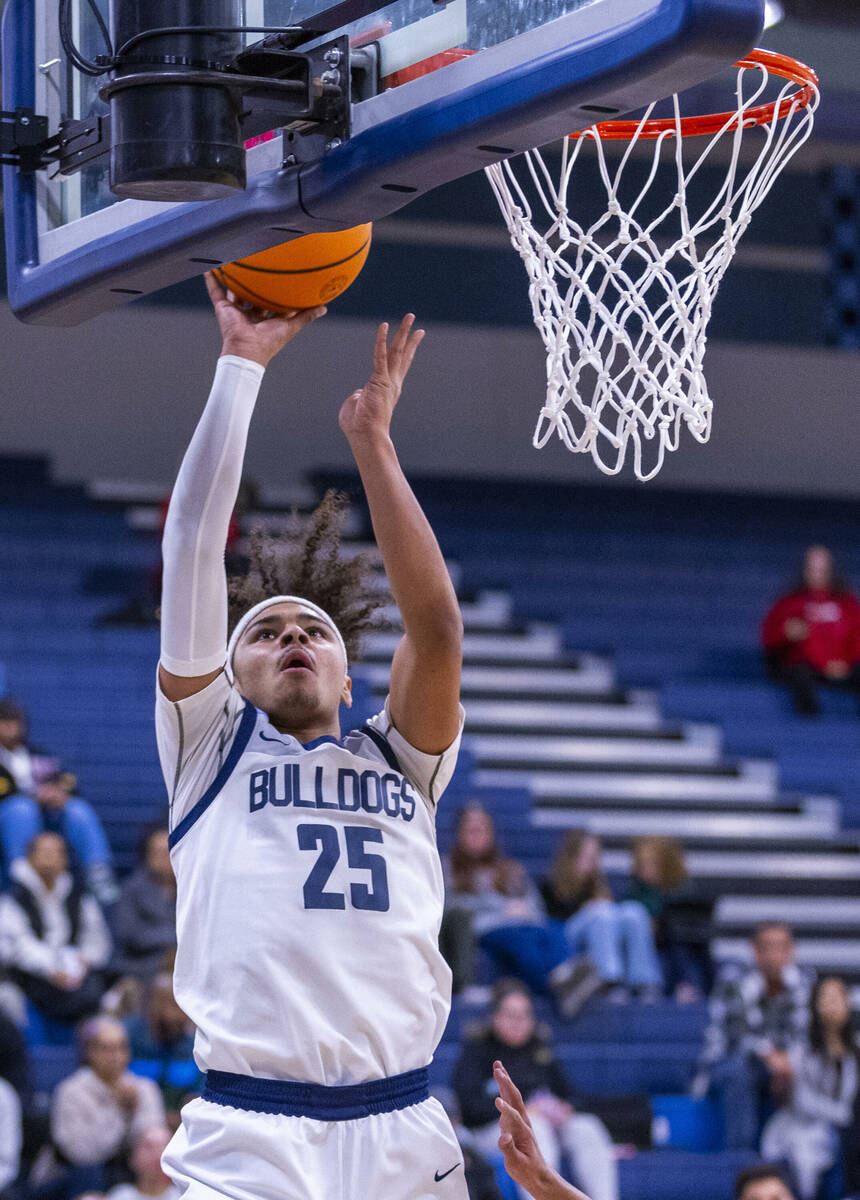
[496,902]
[16,756]
[812,635]
[805,1131]
[100,1111]
[150,1182]
[54,942]
[523,1159]
[514,1034]
[10,1138]
[54,808]
[680,918]
[758,1015]
[144,920]
[164,1036]
[617,938]
[762,1183]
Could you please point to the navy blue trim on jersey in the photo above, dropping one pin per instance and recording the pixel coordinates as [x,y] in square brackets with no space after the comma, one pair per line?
[314,1100]
[320,741]
[383,746]
[240,741]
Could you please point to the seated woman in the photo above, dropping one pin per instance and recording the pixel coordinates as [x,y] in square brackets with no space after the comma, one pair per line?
[805,1131]
[513,1035]
[161,1043]
[491,898]
[617,938]
[681,917]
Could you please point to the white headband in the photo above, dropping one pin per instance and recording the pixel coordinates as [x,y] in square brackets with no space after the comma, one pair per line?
[249,616]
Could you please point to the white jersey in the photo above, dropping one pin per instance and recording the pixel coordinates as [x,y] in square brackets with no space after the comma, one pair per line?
[309,892]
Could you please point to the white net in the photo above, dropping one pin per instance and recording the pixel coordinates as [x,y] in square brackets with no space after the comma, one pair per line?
[623,303]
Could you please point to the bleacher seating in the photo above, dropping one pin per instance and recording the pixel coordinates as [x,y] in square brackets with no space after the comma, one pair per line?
[612,679]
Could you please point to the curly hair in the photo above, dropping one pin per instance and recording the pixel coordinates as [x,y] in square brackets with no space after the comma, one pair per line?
[310,565]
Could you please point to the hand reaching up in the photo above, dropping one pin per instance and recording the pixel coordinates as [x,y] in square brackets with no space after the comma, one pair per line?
[523,1160]
[366,414]
[252,333]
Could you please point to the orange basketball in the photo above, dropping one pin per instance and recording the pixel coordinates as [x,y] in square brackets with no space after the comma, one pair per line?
[302,273]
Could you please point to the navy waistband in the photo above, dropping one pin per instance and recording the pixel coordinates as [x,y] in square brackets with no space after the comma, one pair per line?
[346,1103]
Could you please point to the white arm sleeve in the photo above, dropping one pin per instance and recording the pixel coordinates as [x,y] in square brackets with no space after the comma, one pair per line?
[194,587]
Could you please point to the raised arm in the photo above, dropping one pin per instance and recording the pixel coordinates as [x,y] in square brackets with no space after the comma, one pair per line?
[425,673]
[194,586]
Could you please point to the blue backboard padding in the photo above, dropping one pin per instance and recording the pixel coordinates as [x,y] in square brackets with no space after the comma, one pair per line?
[525,92]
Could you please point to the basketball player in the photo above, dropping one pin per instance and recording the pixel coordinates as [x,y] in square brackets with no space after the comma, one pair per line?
[309,885]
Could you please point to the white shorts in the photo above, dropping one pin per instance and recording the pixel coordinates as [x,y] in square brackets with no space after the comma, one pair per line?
[409,1154]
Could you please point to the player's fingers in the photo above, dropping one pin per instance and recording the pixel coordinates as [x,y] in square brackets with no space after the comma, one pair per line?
[511,1122]
[214,288]
[402,335]
[508,1090]
[380,350]
[415,340]
[304,316]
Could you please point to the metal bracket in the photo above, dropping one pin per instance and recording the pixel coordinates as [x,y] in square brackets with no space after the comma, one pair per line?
[23,139]
[308,92]
[79,142]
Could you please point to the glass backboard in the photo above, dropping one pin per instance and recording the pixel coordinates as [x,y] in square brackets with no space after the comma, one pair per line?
[457,86]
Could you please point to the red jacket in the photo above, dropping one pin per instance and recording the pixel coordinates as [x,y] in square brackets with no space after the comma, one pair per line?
[832,622]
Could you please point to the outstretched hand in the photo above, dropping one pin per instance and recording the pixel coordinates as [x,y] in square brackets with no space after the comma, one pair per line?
[252,333]
[523,1159]
[367,412]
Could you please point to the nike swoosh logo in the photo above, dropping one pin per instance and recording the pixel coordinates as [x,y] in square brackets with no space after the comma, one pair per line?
[445,1174]
[280,741]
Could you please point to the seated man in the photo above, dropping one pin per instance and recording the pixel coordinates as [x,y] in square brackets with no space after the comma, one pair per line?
[758,1014]
[54,808]
[54,942]
[812,634]
[144,920]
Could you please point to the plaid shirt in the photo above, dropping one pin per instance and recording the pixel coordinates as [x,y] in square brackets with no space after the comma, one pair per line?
[745,1018]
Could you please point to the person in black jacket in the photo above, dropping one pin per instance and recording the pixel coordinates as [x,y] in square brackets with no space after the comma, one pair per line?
[514,1036]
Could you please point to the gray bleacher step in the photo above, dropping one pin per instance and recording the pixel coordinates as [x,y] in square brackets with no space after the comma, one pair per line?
[593,675]
[698,745]
[604,699]
[782,802]
[802,913]
[490,610]
[641,712]
[746,779]
[771,867]
[540,644]
[593,729]
[732,824]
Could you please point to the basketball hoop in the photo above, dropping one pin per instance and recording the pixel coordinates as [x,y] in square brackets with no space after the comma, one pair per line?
[623,303]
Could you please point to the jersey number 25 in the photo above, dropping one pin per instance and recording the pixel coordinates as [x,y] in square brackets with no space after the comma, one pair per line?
[325,837]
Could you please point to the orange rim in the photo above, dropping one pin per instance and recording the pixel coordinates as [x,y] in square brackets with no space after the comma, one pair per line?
[775,64]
